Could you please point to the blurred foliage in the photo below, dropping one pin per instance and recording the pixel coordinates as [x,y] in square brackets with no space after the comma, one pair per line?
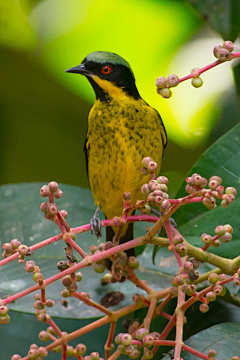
[43,111]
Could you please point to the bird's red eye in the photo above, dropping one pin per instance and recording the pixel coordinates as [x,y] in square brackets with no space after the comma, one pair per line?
[106,70]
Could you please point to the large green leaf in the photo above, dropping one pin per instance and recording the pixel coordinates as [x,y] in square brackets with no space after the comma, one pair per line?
[222,15]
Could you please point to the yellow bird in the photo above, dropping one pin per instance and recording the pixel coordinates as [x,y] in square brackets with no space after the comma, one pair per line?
[122,130]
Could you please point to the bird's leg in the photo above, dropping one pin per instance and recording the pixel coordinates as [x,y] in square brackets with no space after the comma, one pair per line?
[95,223]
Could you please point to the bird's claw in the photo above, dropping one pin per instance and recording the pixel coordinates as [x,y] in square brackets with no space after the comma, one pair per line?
[95,223]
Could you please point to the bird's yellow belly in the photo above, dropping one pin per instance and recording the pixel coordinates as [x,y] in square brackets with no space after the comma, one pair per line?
[119,137]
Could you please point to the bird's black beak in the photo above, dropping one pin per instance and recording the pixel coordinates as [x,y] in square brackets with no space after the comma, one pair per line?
[80,69]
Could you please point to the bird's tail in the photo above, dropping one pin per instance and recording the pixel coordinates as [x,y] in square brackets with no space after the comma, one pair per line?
[127,237]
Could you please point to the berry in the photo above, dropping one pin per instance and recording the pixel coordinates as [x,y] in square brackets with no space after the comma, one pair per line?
[164,92]
[141,333]
[135,354]
[99,268]
[148,340]
[80,349]
[4,319]
[161,82]
[33,354]
[126,339]
[228,228]
[45,191]
[52,209]
[218,289]
[37,276]
[193,275]
[237,280]
[197,82]
[188,266]
[38,305]
[57,349]
[207,239]
[79,276]
[178,239]
[7,247]
[151,166]
[220,230]
[195,72]
[228,45]
[66,281]
[58,194]
[70,351]
[43,335]
[23,249]
[148,354]
[118,339]
[213,278]
[145,189]
[212,353]
[62,265]
[16,357]
[231,190]
[132,262]
[15,243]
[42,351]
[226,237]
[3,310]
[44,206]
[64,213]
[50,303]
[223,54]
[53,186]
[145,210]
[181,249]
[190,289]
[51,330]
[216,49]
[203,308]
[172,80]
[216,243]
[211,296]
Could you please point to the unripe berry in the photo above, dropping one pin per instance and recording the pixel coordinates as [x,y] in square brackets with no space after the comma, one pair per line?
[218,289]
[207,239]
[216,49]
[64,213]
[178,239]
[161,82]
[52,209]
[148,354]
[190,289]
[165,205]
[42,317]
[66,281]
[29,267]
[228,228]
[148,340]
[99,268]
[73,287]
[45,191]
[203,308]
[58,194]
[57,349]
[42,351]
[16,357]
[4,319]
[195,72]
[188,266]
[145,189]
[212,353]
[135,354]
[237,280]
[133,262]
[231,190]
[120,348]
[38,305]
[80,349]
[145,210]
[23,249]
[190,189]
[70,351]
[178,280]
[228,45]
[43,335]
[172,80]
[151,166]
[210,203]
[164,92]
[7,247]
[53,186]
[129,349]
[223,54]
[211,296]
[3,310]
[50,303]
[33,354]
[216,244]
[162,180]
[226,237]
[220,230]
[181,249]
[197,82]
[62,265]
[213,278]
[141,333]
[145,161]
[44,206]
[51,330]
[126,339]
[15,243]
[37,277]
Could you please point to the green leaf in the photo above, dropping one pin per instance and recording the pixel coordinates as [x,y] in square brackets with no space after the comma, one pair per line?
[22,218]
[236,73]
[222,15]
[224,338]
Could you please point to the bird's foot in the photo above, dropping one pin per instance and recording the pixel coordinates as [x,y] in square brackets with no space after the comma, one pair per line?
[95,223]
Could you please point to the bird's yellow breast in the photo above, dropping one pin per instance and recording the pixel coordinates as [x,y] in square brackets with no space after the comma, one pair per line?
[121,132]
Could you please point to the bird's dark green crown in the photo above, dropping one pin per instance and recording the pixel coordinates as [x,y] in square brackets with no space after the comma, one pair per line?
[110,67]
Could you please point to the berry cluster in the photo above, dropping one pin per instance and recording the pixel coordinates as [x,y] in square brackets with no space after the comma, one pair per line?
[34,353]
[50,209]
[69,281]
[222,52]
[196,184]
[223,234]
[133,348]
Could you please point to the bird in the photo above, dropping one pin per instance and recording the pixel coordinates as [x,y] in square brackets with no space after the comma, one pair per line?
[122,130]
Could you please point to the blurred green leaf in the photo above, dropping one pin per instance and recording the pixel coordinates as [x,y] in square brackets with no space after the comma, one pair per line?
[236,73]
[222,15]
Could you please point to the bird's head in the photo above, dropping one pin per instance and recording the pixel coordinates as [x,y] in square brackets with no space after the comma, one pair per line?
[109,74]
